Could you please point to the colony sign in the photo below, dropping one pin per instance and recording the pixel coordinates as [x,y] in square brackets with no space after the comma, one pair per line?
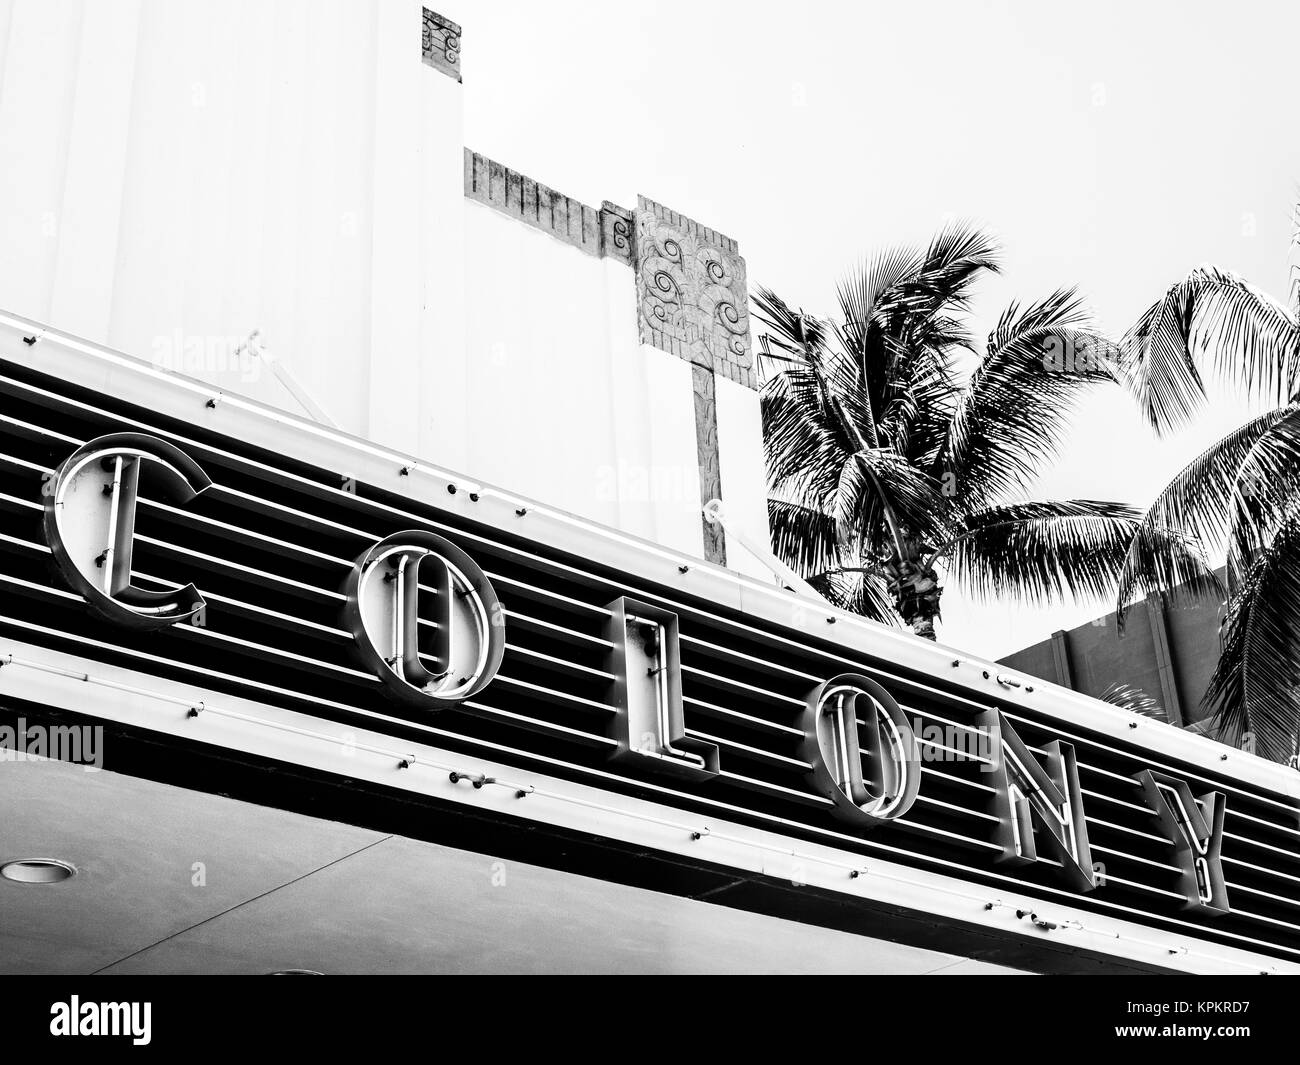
[426,621]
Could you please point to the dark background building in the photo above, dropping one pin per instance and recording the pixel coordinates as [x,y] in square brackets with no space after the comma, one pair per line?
[1168,650]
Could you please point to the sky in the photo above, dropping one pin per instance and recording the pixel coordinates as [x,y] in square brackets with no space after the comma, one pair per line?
[1113,146]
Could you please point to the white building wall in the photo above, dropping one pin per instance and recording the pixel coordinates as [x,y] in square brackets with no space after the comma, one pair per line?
[744,481]
[565,403]
[177,173]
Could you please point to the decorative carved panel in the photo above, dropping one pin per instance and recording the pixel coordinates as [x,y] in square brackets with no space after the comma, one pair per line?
[440,47]
[692,293]
[617,233]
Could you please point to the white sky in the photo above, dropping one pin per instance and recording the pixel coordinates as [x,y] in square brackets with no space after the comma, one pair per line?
[1113,145]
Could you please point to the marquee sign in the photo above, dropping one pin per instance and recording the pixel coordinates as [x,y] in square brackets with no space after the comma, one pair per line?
[175,550]
[426,621]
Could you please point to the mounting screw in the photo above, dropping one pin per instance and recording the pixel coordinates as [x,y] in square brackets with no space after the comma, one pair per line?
[406,762]
[1029,688]
[451,489]
[473,497]
[683,569]
[1132,724]
[956,662]
[830,621]
[986,674]
[29,341]
[521,511]
[194,711]
[212,403]
[405,471]
[1223,758]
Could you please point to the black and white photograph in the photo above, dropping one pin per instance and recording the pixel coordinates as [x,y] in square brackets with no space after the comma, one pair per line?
[649,488]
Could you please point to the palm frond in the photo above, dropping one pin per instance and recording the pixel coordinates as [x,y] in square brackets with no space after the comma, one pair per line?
[792,331]
[1134,699]
[1043,551]
[956,257]
[1010,418]
[915,498]
[1248,336]
[1238,485]
[1253,689]
[802,538]
[875,290]
[1265,488]
[1167,562]
[803,441]
[859,593]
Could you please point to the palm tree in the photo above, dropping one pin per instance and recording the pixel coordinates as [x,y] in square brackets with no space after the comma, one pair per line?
[892,471]
[1241,496]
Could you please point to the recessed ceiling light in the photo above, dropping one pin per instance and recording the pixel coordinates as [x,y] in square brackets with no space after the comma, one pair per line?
[38,871]
[295,972]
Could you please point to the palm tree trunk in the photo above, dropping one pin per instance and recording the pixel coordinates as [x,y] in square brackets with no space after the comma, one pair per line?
[915,587]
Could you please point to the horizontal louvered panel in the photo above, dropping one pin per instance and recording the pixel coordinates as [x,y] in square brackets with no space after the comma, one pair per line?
[273,541]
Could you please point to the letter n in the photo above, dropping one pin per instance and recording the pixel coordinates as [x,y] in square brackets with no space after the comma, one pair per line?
[1038,801]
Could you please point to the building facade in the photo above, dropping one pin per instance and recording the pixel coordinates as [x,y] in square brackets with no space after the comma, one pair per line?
[395,638]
